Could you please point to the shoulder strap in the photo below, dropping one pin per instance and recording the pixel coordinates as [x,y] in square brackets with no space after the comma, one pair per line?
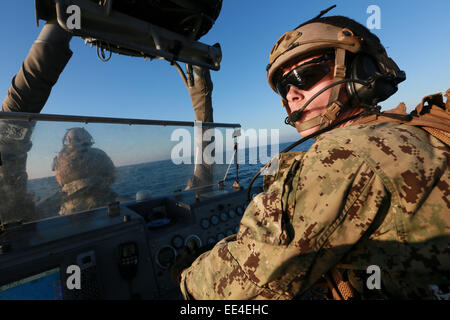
[431,114]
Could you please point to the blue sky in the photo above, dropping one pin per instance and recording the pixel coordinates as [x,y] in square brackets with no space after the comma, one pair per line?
[415,34]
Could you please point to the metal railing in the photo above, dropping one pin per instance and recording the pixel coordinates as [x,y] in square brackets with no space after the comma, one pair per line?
[24,116]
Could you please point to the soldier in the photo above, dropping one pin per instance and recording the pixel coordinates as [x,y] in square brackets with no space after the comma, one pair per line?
[370,194]
[29,91]
[15,141]
[85,174]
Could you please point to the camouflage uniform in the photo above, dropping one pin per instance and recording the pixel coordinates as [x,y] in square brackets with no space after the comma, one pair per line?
[15,142]
[366,194]
[85,175]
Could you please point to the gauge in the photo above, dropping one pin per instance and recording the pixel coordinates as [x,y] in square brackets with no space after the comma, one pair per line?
[177,241]
[195,238]
[211,240]
[205,223]
[239,210]
[214,220]
[220,236]
[165,256]
[223,216]
[229,233]
[232,214]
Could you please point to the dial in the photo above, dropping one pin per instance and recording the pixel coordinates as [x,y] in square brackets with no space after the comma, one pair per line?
[236,229]
[211,240]
[239,210]
[177,241]
[165,256]
[205,223]
[229,233]
[214,220]
[220,236]
[194,237]
[232,214]
[223,216]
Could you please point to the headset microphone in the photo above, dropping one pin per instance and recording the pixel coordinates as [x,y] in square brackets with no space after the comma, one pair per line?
[295,116]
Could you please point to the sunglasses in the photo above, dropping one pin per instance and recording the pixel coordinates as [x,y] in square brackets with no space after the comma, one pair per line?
[305,76]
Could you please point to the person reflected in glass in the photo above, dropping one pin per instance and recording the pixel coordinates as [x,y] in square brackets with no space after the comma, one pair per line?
[84,173]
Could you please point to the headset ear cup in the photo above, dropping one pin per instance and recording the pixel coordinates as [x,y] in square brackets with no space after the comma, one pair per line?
[366,68]
[362,68]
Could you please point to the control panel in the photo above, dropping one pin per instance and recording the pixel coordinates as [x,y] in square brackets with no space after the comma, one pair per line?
[124,252]
[86,256]
[206,220]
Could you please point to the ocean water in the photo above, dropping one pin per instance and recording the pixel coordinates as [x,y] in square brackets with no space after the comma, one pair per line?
[161,178]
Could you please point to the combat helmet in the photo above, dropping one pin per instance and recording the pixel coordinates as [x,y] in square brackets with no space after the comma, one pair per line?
[77,137]
[360,61]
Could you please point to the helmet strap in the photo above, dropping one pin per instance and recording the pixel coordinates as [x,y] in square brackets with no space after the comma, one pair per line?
[324,120]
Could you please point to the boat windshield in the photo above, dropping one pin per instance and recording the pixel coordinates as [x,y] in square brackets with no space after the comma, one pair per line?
[56,165]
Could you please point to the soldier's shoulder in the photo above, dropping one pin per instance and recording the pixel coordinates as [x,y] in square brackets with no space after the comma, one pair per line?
[381,139]
[95,152]
[361,132]
[393,151]
[100,156]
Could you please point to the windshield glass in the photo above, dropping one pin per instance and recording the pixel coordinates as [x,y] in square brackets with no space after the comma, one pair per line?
[51,168]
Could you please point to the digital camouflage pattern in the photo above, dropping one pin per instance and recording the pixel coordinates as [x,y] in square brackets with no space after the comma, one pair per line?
[366,194]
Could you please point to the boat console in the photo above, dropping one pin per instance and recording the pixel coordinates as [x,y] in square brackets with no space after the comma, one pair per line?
[119,250]
[123,252]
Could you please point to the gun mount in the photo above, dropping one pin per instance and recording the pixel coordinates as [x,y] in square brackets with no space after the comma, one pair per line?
[142,28]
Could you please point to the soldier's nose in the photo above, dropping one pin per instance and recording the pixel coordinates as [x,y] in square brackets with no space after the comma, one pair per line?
[294,94]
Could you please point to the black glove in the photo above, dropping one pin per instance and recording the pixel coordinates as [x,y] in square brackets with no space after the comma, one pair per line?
[188,255]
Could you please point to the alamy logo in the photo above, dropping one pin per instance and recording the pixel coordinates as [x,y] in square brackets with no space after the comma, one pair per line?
[74,279]
[211,146]
[374,281]
[74,20]
[374,20]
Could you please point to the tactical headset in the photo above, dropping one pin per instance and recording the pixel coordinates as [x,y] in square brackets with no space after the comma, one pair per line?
[361,62]
[381,83]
